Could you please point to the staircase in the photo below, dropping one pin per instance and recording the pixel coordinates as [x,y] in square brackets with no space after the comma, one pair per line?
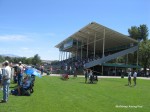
[110,57]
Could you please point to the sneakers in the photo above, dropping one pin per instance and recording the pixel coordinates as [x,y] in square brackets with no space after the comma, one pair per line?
[3,101]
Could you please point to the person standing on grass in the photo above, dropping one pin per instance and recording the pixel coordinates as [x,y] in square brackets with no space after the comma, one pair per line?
[6,81]
[42,69]
[20,73]
[0,76]
[134,77]
[129,77]
[91,76]
[85,72]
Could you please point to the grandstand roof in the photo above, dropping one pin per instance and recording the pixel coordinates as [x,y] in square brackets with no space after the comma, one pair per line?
[92,30]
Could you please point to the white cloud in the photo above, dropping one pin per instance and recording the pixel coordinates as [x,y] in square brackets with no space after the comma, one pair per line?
[14,37]
[24,48]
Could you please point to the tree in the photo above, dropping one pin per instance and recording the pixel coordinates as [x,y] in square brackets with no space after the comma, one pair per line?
[36,60]
[29,60]
[134,32]
[143,32]
[144,54]
[138,33]
[2,59]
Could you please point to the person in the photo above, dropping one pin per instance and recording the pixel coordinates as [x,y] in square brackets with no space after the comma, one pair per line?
[0,78]
[85,72]
[15,73]
[42,70]
[51,70]
[20,73]
[6,81]
[129,78]
[91,76]
[70,70]
[134,77]
[25,84]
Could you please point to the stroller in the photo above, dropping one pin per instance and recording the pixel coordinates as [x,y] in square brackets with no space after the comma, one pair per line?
[93,79]
[65,76]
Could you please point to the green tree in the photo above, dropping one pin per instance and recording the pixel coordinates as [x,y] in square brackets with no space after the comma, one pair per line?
[140,34]
[29,60]
[144,54]
[134,32]
[143,32]
[2,59]
[36,60]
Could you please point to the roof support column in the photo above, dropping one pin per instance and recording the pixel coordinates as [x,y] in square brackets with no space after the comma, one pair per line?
[63,55]
[87,48]
[94,44]
[69,55]
[59,55]
[103,44]
[66,55]
[77,50]
[102,70]
[81,49]
[127,59]
[137,56]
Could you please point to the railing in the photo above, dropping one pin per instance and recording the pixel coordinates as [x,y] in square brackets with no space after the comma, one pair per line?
[110,57]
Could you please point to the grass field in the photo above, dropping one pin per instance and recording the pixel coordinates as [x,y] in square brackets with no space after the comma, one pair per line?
[51,94]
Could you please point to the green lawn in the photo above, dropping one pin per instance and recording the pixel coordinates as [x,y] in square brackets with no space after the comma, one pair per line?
[51,94]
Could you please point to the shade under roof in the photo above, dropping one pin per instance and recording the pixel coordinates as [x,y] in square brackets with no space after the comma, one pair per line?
[95,30]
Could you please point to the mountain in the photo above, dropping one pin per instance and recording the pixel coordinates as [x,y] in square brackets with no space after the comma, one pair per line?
[9,55]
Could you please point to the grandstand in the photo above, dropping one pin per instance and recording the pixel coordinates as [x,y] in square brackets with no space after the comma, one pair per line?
[94,46]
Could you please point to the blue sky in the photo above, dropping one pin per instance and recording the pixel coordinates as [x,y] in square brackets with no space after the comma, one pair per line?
[29,27]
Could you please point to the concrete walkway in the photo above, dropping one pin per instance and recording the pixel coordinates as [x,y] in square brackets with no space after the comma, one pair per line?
[44,74]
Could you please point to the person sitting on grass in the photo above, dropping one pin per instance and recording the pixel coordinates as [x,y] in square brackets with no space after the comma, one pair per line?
[25,85]
[65,76]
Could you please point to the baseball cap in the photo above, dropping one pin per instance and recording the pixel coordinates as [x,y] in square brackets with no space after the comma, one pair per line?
[20,62]
[6,61]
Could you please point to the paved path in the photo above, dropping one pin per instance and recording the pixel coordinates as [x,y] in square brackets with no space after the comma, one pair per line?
[99,76]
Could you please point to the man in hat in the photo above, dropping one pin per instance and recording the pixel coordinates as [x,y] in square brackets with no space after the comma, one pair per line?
[6,81]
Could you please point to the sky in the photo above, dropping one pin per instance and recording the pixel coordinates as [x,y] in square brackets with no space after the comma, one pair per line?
[29,27]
